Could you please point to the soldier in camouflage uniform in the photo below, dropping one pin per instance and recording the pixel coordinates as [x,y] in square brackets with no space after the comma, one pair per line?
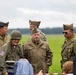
[12,51]
[68,52]
[4,38]
[35,24]
[38,52]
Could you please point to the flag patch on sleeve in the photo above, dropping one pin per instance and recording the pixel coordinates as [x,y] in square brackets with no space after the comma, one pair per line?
[1,53]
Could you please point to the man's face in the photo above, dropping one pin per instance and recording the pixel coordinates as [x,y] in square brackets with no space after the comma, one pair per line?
[36,37]
[32,26]
[15,42]
[4,30]
[67,33]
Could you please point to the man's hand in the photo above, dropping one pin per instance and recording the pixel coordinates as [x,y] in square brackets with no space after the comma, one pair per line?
[40,73]
[6,73]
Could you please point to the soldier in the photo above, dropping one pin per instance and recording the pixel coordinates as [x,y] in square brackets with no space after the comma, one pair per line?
[35,24]
[37,52]
[12,50]
[4,38]
[68,52]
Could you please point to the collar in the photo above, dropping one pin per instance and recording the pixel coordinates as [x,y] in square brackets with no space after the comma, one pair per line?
[66,39]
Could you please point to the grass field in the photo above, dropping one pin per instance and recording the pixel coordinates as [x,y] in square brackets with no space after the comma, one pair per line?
[55,43]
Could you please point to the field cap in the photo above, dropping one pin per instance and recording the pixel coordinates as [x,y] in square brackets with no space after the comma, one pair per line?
[68,26]
[37,23]
[34,30]
[3,24]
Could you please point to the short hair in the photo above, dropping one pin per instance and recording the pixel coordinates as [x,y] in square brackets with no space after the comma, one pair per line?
[68,67]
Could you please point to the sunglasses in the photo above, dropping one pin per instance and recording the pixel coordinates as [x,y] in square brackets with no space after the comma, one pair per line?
[65,32]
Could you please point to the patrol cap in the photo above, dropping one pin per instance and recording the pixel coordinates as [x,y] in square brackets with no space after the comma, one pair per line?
[68,26]
[37,23]
[15,34]
[34,30]
[2,24]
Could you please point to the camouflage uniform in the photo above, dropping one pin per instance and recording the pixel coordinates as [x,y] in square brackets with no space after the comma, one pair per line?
[68,52]
[12,53]
[40,56]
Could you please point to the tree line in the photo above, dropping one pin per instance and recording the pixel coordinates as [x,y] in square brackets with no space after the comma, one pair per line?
[57,30]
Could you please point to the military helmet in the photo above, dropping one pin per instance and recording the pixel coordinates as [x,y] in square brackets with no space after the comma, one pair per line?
[15,34]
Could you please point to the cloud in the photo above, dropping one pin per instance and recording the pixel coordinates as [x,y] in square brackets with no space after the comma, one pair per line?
[51,13]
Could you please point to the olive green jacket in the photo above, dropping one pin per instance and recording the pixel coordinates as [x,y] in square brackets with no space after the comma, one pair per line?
[40,56]
[68,52]
[10,53]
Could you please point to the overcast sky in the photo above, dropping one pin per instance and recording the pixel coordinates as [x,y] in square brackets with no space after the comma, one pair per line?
[51,13]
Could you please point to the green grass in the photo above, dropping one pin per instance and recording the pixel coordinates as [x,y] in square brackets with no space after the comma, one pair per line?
[55,43]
